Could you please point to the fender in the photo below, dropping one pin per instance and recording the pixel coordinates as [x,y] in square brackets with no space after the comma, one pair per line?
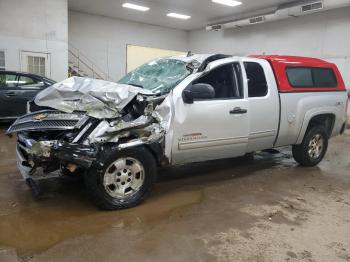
[331,110]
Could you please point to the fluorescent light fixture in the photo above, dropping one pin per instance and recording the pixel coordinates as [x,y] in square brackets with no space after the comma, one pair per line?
[179,16]
[136,7]
[227,2]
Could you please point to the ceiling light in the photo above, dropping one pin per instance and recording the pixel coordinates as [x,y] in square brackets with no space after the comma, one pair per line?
[136,7]
[179,16]
[227,2]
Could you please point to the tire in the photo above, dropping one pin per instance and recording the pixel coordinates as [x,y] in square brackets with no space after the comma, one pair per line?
[309,153]
[107,181]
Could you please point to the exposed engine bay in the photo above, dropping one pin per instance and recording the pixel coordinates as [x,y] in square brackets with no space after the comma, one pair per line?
[87,116]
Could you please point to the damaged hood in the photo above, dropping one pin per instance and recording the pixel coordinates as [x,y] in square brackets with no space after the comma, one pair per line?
[98,98]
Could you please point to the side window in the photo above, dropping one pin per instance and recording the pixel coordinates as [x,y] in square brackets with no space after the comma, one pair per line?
[8,81]
[300,76]
[311,77]
[257,84]
[26,82]
[324,77]
[226,81]
[2,60]
[2,80]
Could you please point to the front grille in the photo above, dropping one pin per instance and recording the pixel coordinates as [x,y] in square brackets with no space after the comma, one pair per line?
[51,124]
[51,120]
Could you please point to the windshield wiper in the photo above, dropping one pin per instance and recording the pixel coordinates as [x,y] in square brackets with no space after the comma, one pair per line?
[131,84]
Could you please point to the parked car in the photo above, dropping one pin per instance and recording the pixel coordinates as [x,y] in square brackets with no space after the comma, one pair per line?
[178,110]
[16,89]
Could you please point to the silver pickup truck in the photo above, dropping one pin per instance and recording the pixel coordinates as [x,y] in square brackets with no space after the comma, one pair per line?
[178,110]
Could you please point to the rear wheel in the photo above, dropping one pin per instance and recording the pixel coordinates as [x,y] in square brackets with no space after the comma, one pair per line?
[125,179]
[313,148]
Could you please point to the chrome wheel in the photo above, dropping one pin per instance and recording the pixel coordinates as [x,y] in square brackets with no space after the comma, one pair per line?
[124,177]
[316,146]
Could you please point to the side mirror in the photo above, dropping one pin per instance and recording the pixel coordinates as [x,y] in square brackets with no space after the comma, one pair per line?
[198,91]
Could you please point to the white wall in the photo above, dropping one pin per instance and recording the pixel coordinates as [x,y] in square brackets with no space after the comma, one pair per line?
[42,26]
[104,39]
[324,35]
[37,26]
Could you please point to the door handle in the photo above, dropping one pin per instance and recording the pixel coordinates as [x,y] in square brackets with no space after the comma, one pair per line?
[238,110]
[10,94]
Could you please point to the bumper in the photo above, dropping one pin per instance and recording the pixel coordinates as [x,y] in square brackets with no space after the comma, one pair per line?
[23,165]
[29,172]
[78,154]
[34,158]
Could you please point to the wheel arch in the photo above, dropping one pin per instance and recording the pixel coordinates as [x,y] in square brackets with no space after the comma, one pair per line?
[157,151]
[320,117]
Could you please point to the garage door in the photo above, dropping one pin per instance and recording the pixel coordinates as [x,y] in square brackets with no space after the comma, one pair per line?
[138,55]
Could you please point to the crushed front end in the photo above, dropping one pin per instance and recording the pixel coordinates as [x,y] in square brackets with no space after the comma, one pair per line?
[43,140]
[52,143]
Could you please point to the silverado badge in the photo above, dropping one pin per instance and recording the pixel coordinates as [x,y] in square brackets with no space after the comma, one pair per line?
[40,116]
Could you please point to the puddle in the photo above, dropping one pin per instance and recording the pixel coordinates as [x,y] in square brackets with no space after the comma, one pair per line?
[44,224]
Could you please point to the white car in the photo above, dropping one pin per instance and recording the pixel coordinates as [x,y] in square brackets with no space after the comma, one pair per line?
[178,110]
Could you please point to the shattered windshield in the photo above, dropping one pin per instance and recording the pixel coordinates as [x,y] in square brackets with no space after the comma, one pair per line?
[158,76]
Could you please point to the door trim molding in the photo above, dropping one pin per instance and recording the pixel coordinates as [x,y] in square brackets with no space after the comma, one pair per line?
[262,134]
[212,142]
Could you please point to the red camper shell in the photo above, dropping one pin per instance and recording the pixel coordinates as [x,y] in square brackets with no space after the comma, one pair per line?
[304,74]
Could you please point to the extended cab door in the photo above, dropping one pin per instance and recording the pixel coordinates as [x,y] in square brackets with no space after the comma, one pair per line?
[264,106]
[214,128]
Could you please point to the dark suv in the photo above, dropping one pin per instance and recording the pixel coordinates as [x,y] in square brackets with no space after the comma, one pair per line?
[16,89]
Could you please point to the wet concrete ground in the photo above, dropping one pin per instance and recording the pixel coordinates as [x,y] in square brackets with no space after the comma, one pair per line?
[262,209]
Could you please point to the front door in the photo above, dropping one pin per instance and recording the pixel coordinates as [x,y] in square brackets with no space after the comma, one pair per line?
[15,91]
[8,85]
[215,128]
[27,88]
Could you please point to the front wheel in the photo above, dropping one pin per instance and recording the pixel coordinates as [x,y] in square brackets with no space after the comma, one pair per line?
[313,148]
[125,179]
